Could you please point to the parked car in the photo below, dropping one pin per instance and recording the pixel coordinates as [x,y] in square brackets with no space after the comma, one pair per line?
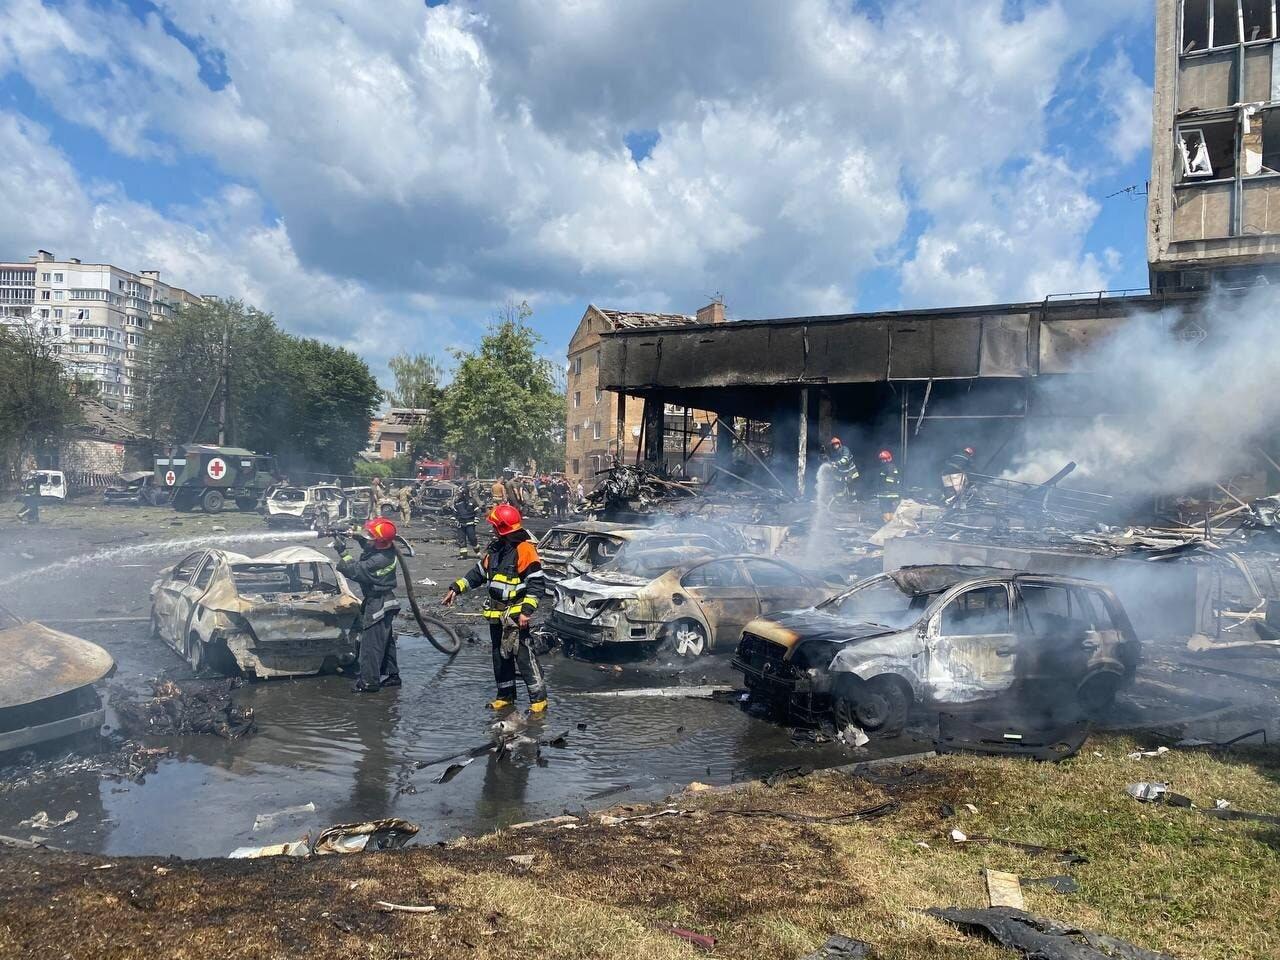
[53,483]
[285,613]
[941,635]
[137,489]
[573,549]
[686,599]
[47,688]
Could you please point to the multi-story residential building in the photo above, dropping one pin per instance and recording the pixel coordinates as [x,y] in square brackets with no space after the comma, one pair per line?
[99,315]
[595,437]
[1215,158]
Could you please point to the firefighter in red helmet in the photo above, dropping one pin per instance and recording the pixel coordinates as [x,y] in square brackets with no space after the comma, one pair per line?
[375,571]
[512,570]
[955,473]
[889,487]
[846,468]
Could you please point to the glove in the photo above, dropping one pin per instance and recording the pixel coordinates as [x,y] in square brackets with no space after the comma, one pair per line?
[339,543]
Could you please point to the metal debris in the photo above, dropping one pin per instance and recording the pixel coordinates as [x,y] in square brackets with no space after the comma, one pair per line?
[839,947]
[1040,938]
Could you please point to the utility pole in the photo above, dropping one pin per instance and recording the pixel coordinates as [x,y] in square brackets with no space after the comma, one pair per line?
[225,401]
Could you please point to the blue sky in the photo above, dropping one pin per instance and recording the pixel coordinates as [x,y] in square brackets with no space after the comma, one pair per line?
[385,175]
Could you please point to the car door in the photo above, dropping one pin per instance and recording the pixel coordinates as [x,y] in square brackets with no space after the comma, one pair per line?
[168,594]
[1061,630]
[725,596]
[972,650]
[188,597]
[779,586]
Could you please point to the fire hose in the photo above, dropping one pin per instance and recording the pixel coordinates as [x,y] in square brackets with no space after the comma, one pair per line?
[441,636]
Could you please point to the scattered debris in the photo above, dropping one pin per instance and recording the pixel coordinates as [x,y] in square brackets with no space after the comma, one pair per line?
[299,848]
[1149,792]
[1040,938]
[389,834]
[1004,890]
[853,735]
[1058,884]
[561,821]
[41,821]
[522,860]
[697,939]
[1063,856]
[427,582]
[386,907]
[1140,754]
[869,813]
[607,820]
[454,769]
[961,735]
[686,693]
[265,821]
[841,948]
[190,708]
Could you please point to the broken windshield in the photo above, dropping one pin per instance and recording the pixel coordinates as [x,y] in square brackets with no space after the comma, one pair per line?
[290,495]
[263,578]
[878,601]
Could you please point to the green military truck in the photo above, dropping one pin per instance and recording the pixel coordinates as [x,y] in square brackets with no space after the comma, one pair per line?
[200,475]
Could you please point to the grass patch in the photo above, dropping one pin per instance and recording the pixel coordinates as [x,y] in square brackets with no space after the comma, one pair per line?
[1166,878]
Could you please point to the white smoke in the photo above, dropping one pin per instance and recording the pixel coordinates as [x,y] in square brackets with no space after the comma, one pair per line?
[1198,391]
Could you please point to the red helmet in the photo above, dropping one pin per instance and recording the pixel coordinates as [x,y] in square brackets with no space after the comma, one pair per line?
[381,531]
[886,456]
[970,451]
[837,442]
[504,518]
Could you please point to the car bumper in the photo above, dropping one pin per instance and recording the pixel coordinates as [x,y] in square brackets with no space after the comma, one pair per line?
[54,730]
[593,633]
[777,684]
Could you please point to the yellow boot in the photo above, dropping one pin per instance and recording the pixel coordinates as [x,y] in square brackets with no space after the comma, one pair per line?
[501,704]
[538,706]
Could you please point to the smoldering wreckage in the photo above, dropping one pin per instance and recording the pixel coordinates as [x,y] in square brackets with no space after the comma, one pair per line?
[987,615]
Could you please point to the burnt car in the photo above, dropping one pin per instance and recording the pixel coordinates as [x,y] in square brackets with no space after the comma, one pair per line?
[143,488]
[47,691]
[687,600]
[286,613]
[941,635]
[574,549]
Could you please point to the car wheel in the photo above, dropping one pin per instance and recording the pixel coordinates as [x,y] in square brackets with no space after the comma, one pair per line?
[197,655]
[155,626]
[879,706]
[1097,694]
[687,639]
[212,501]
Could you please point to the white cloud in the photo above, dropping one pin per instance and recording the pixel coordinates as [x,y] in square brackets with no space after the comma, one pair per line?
[1128,107]
[465,151]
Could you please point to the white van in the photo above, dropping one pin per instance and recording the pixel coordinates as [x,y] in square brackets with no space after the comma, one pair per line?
[53,484]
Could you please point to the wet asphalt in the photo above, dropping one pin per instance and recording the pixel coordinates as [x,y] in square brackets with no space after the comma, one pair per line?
[88,570]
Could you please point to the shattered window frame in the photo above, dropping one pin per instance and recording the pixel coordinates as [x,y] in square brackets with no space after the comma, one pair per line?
[1223,162]
[965,626]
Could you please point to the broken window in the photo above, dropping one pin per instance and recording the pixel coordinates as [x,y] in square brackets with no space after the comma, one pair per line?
[1208,151]
[1195,25]
[183,571]
[978,612]
[722,573]
[1226,26]
[765,573]
[1258,21]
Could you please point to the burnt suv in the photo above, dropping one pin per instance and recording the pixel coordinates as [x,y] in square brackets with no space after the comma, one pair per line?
[940,635]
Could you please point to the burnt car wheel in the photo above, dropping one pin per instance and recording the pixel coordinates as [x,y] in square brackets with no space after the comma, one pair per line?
[197,656]
[1097,694]
[687,639]
[879,706]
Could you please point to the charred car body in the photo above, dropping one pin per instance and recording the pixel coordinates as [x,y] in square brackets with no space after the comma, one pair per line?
[941,635]
[574,549]
[47,684]
[685,599]
[323,506]
[285,613]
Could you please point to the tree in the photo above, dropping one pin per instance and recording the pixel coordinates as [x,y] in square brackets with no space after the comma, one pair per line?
[417,379]
[502,407]
[305,401]
[38,400]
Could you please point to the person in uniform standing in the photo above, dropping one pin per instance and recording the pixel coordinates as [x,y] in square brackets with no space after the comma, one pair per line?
[889,490]
[375,571]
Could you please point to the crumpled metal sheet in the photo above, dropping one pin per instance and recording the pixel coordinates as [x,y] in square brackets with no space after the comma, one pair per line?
[389,834]
[839,947]
[1041,938]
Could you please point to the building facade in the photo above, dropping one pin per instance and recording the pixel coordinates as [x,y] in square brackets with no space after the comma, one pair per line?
[98,315]
[1215,145]
[595,436]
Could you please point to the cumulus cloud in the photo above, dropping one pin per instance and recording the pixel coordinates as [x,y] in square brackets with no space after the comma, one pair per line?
[458,153]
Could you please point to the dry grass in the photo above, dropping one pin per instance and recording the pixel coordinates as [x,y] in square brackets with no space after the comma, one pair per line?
[1166,878]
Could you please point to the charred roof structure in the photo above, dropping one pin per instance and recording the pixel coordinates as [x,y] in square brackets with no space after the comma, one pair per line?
[895,380]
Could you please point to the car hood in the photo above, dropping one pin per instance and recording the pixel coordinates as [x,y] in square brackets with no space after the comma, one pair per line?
[597,588]
[789,629]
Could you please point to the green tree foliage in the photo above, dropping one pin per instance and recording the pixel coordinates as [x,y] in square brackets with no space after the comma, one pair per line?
[37,399]
[503,406]
[305,401]
[417,377]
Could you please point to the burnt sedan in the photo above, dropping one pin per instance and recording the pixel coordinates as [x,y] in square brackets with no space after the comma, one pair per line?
[686,600]
[941,635]
[285,613]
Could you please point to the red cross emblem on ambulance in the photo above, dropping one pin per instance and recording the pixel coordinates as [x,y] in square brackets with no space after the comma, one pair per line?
[217,468]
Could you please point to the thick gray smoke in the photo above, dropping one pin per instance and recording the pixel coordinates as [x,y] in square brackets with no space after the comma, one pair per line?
[1199,391]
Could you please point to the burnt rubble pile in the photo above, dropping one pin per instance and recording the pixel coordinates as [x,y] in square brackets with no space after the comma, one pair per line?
[196,707]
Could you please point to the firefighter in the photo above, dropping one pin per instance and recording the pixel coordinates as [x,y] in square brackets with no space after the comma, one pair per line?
[845,467]
[890,486]
[955,474]
[405,498]
[464,514]
[375,570]
[30,511]
[513,571]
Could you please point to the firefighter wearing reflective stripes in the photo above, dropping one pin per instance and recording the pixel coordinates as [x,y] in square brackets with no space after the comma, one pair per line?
[375,571]
[890,486]
[512,570]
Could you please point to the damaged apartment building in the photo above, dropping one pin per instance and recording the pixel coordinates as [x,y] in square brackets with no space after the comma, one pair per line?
[924,382]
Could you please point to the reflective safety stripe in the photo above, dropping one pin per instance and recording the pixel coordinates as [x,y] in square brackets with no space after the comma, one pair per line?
[460,585]
[531,603]
[346,558]
[492,614]
[389,568]
[503,578]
